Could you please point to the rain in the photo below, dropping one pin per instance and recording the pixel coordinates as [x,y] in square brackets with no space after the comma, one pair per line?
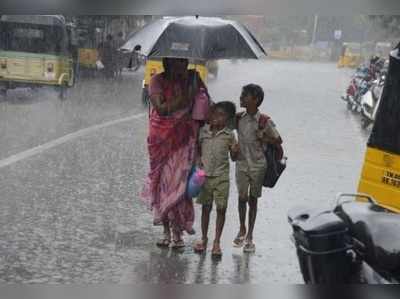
[74,157]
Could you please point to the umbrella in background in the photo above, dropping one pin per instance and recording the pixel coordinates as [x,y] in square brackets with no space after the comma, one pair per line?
[195,38]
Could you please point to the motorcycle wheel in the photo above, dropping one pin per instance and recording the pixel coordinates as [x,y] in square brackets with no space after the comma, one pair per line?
[62,92]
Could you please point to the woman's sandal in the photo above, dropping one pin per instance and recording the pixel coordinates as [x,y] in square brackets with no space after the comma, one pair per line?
[200,246]
[239,241]
[164,243]
[178,244]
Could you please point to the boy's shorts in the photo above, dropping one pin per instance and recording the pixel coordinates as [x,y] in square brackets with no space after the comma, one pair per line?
[250,183]
[215,189]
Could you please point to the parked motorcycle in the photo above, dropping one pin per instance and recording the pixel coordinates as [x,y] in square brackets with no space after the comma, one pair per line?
[355,242]
[370,101]
[357,89]
[358,86]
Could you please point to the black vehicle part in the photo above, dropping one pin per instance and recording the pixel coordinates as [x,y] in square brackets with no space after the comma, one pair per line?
[3,93]
[375,231]
[323,246]
[62,92]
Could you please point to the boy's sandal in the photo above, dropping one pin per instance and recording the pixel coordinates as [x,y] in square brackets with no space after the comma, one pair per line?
[177,244]
[163,242]
[239,241]
[216,252]
[200,246]
[249,247]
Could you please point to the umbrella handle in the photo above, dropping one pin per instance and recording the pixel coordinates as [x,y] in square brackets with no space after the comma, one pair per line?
[193,86]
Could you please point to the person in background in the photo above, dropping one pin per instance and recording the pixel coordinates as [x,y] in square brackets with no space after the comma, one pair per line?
[108,57]
[119,42]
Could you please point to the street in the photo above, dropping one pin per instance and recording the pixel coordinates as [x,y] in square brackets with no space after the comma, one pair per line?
[70,207]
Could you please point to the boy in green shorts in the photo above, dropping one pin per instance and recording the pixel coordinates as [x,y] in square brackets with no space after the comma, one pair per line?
[216,142]
[255,130]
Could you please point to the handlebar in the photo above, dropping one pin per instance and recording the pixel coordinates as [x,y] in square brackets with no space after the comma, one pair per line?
[370,199]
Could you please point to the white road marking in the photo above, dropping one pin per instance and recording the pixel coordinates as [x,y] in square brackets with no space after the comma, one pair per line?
[56,142]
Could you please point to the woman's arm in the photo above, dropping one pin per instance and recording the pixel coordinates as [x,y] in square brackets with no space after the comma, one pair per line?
[157,98]
[164,108]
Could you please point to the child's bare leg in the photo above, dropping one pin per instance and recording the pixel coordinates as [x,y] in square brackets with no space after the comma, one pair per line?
[220,224]
[205,220]
[242,216]
[201,245]
[216,251]
[252,217]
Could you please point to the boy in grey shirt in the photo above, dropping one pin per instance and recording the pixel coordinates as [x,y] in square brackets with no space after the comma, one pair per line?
[255,130]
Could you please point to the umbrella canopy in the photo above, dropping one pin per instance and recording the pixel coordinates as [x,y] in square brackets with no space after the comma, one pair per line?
[195,38]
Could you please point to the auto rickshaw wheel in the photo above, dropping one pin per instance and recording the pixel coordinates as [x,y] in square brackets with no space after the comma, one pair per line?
[72,80]
[63,92]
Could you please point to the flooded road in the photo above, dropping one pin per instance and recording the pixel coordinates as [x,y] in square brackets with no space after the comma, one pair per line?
[70,208]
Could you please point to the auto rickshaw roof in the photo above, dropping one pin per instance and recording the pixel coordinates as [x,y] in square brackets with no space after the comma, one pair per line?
[353,46]
[50,20]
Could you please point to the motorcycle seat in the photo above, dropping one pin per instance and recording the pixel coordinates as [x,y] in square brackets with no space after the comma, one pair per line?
[378,230]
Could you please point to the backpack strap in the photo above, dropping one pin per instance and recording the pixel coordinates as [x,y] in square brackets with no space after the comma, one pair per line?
[263,120]
[262,123]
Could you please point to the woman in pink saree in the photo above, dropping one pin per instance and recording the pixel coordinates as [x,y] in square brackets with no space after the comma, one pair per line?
[172,149]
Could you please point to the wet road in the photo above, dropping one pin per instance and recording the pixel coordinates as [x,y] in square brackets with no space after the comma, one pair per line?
[70,211]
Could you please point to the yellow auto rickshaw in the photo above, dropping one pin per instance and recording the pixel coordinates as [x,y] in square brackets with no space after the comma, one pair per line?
[36,51]
[90,31]
[380,177]
[355,240]
[350,56]
[154,66]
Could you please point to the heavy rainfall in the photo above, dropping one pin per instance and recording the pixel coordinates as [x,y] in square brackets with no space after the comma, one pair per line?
[74,157]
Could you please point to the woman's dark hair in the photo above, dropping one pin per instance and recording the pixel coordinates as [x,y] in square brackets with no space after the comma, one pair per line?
[228,107]
[255,91]
[166,61]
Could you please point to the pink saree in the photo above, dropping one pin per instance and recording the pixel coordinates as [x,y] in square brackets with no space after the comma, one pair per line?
[172,150]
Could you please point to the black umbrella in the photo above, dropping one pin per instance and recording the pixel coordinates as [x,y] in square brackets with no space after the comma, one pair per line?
[195,38]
